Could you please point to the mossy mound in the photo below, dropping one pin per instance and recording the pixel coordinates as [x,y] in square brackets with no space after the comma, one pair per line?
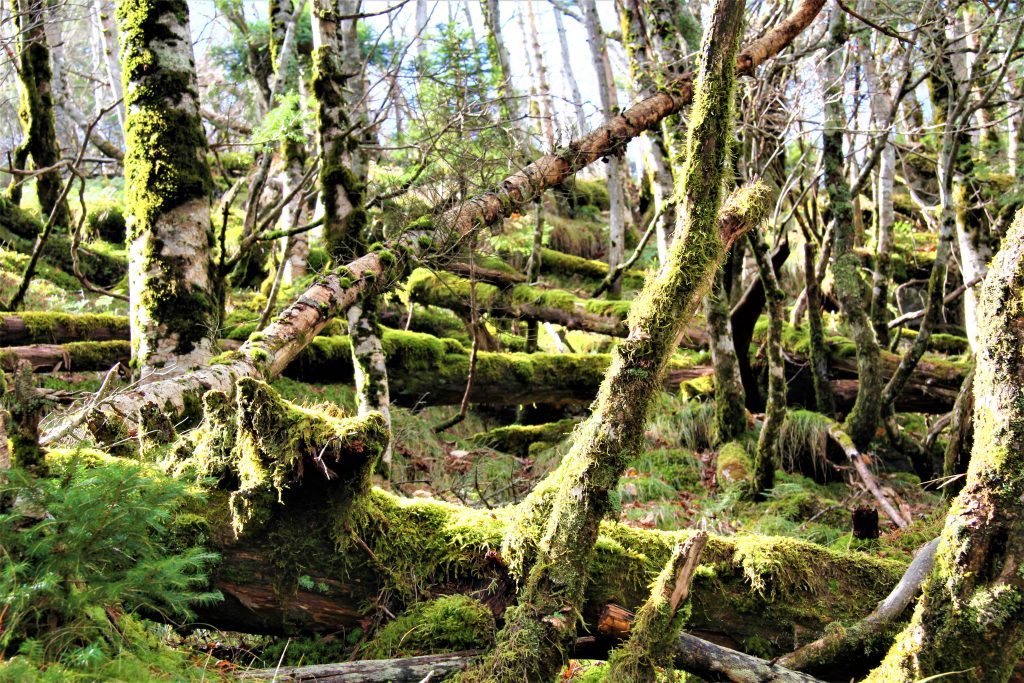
[447,624]
[105,221]
[734,465]
[518,439]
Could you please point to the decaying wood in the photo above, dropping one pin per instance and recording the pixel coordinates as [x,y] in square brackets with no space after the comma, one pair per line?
[835,431]
[840,643]
[716,663]
[17,330]
[406,670]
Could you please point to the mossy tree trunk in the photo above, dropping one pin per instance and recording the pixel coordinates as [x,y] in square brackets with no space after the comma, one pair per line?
[292,150]
[970,619]
[570,504]
[171,279]
[36,108]
[767,457]
[850,288]
[823,398]
[730,403]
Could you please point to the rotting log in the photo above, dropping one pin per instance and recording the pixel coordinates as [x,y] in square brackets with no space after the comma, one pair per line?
[405,670]
[782,590]
[266,355]
[45,327]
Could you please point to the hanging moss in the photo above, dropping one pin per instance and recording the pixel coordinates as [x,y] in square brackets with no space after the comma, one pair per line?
[447,624]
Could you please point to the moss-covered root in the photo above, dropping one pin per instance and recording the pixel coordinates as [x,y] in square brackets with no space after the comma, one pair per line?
[542,626]
[655,631]
[971,617]
[733,466]
[279,445]
[767,457]
[850,287]
[171,277]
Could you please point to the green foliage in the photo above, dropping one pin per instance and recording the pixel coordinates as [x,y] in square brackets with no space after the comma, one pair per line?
[289,120]
[86,548]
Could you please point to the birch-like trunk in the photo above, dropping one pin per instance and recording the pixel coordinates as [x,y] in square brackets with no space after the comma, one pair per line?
[567,72]
[609,105]
[108,38]
[543,86]
[171,282]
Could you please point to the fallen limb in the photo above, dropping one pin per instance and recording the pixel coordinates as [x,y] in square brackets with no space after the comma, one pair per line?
[45,327]
[835,431]
[407,670]
[843,643]
[716,663]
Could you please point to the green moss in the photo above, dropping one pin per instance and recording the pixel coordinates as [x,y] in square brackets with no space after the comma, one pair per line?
[105,221]
[446,624]
[517,439]
[734,465]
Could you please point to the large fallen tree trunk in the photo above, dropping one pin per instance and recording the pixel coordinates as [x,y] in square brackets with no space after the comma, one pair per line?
[267,354]
[45,327]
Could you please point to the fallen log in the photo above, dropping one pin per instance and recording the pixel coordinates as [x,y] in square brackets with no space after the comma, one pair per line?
[405,670]
[716,663]
[18,230]
[45,327]
[71,357]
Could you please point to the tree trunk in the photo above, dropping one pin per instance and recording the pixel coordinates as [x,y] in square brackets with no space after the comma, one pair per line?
[609,105]
[174,305]
[544,89]
[971,617]
[768,457]
[567,73]
[108,37]
[499,55]
[575,498]
[861,422]
[36,111]
[730,408]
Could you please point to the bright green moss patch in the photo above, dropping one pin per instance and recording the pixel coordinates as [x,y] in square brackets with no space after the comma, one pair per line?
[446,624]
[517,439]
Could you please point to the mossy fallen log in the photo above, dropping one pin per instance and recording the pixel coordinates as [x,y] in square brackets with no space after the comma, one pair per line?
[47,327]
[558,263]
[518,439]
[426,370]
[73,356]
[779,591]
[18,230]
[558,306]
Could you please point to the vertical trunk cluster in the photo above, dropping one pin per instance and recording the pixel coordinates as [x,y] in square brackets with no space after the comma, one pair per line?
[174,305]
[567,507]
[343,191]
[295,249]
[499,55]
[570,77]
[970,619]
[38,121]
[609,106]
[544,89]
[850,288]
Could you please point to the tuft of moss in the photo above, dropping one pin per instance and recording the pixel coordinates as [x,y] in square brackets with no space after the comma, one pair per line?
[446,624]
[734,465]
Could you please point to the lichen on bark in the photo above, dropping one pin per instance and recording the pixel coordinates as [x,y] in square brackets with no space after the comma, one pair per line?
[174,303]
[970,619]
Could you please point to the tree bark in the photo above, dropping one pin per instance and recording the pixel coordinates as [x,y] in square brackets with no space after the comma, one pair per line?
[861,422]
[971,618]
[36,110]
[174,305]
[567,73]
